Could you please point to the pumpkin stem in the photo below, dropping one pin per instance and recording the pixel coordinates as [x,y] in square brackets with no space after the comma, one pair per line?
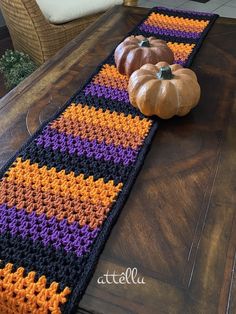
[144,43]
[165,73]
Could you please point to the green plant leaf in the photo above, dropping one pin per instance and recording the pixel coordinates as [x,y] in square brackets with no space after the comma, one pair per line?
[15,67]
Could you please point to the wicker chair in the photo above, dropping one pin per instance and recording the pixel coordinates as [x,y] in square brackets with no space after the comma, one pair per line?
[33,34]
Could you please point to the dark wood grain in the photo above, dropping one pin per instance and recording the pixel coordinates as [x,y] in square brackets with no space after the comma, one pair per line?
[178,226]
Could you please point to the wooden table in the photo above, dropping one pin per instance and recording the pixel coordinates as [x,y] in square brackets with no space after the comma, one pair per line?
[178,226]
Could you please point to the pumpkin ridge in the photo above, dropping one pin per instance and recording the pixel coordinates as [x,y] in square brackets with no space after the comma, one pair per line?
[133,60]
[120,61]
[149,68]
[142,96]
[184,73]
[156,85]
[138,82]
[129,45]
[166,109]
[128,62]
[177,97]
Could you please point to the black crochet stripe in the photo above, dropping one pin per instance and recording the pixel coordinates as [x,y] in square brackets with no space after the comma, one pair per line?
[112,105]
[44,260]
[78,164]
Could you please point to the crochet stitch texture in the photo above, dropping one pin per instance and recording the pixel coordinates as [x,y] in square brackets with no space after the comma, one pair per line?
[61,194]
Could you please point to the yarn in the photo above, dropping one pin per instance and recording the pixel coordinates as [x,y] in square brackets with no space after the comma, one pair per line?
[62,193]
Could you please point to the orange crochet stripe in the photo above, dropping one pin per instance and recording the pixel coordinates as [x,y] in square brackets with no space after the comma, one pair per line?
[96,132]
[97,192]
[176,23]
[113,120]
[51,204]
[111,70]
[20,294]
[110,77]
[181,51]
[110,81]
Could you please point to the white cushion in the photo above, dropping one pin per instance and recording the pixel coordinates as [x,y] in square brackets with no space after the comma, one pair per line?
[61,11]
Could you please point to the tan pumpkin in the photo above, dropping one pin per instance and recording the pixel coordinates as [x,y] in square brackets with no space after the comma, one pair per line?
[164,90]
[136,51]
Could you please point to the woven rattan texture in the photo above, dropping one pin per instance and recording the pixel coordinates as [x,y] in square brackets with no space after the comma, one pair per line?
[33,34]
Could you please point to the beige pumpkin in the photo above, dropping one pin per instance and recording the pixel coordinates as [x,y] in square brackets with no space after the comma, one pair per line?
[136,51]
[164,90]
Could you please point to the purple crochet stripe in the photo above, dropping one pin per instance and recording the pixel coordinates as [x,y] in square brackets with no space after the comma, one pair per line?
[72,238]
[181,62]
[76,145]
[106,92]
[168,32]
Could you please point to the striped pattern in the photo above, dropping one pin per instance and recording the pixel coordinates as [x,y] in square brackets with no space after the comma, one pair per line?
[174,25]
[182,30]
[181,51]
[62,193]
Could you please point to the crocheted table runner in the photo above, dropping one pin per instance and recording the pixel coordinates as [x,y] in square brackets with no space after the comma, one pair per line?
[62,192]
